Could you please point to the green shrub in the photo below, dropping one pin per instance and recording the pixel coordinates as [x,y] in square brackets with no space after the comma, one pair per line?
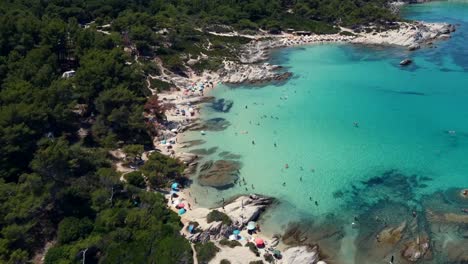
[206,252]
[253,248]
[347,33]
[55,254]
[230,243]
[160,85]
[256,262]
[225,261]
[72,228]
[135,178]
[216,215]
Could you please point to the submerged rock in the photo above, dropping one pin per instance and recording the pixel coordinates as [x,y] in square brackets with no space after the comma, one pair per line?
[229,155]
[191,143]
[392,235]
[220,174]
[204,151]
[222,105]
[214,124]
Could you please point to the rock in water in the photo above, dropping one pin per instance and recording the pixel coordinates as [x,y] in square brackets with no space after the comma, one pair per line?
[221,174]
[302,254]
[406,62]
[415,250]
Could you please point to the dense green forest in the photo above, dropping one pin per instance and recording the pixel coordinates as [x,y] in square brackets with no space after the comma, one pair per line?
[57,182]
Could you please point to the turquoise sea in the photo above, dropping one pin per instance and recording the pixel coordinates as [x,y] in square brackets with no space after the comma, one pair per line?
[408,153]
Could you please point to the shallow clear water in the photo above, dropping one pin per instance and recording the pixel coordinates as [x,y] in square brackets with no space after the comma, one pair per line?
[404,115]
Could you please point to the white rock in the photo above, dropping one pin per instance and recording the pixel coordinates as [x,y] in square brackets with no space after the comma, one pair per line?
[247,208]
[302,254]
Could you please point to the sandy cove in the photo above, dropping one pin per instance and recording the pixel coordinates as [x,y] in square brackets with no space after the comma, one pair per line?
[251,68]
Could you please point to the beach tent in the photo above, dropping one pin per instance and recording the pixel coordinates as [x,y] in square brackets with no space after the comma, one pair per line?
[259,242]
[175,186]
[251,225]
[182,211]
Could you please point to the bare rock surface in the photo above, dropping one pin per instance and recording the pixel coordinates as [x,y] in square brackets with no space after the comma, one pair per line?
[247,208]
[301,254]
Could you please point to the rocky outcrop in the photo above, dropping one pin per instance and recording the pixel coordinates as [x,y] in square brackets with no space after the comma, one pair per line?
[234,73]
[411,35]
[215,231]
[241,210]
[302,254]
[247,208]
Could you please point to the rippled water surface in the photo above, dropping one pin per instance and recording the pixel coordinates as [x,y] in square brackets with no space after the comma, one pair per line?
[407,153]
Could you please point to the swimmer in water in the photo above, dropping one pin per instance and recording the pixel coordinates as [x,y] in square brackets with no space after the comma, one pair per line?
[284,183]
[316,203]
[274,144]
[356,124]
[253,142]
[286,166]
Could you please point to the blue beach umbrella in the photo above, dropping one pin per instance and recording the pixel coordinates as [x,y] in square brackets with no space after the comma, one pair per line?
[175,185]
[236,232]
[251,225]
[182,211]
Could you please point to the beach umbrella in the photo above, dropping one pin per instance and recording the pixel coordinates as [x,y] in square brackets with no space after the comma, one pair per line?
[175,186]
[182,211]
[173,192]
[191,228]
[181,205]
[232,237]
[177,202]
[251,225]
[236,232]
[259,242]
[276,253]
[174,130]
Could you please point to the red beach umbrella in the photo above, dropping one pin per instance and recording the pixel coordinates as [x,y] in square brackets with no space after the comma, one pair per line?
[181,205]
[259,242]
